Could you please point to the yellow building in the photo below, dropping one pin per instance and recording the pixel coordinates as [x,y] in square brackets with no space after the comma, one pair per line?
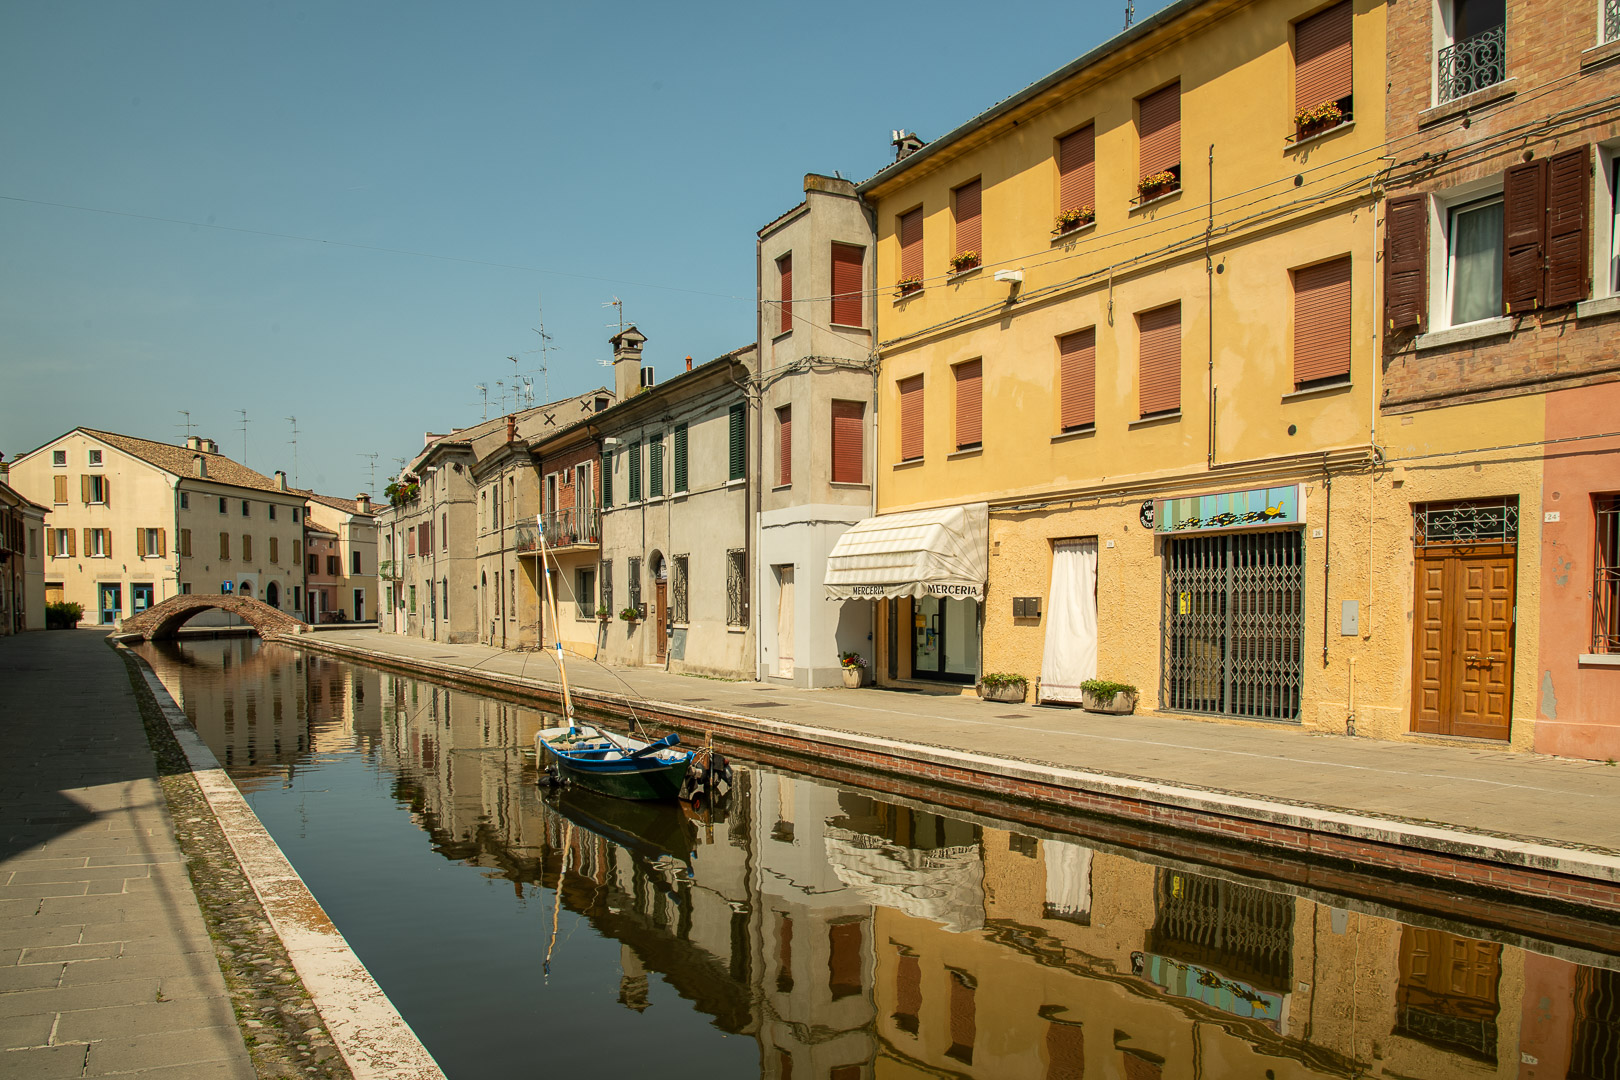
[1126,322]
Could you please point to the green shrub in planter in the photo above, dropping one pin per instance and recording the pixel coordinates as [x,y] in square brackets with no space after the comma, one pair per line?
[1107,696]
[1000,686]
[63,616]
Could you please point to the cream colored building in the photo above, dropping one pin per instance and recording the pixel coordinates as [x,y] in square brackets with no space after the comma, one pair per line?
[353,586]
[133,522]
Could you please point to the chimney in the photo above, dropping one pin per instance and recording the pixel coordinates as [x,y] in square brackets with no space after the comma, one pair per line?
[199,465]
[511,429]
[688,361]
[193,442]
[362,503]
[281,480]
[627,379]
[5,469]
[209,446]
[905,143]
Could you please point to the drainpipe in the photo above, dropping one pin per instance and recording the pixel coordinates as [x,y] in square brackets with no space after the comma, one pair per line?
[749,526]
[1327,552]
[1209,284]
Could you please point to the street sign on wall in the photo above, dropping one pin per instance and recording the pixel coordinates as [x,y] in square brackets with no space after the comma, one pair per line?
[1230,510]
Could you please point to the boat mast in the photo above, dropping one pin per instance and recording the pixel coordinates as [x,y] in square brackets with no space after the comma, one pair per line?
[556,623]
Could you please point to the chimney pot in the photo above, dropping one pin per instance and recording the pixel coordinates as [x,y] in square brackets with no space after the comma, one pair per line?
[193,442]
[688,361]
[511,429]
[363,502]
[281,480]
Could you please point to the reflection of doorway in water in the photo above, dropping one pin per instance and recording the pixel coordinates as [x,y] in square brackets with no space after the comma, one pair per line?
[945,639]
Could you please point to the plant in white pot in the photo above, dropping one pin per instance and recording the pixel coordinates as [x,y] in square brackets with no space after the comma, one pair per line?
[1105,696]
[854,665]
[1000,686]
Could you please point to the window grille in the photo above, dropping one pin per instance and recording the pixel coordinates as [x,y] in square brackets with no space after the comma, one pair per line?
[678,591]
[1473,63]
[1606,586]
[1611,20]
[632,582]
[1234,623]
[1488,521]
[1238,930]
[607,585]
[736,588]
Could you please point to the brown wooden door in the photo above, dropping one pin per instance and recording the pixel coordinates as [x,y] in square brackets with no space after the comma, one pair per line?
[1462,662]
[660,632]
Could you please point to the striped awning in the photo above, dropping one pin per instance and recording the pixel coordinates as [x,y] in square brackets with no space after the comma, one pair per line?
[919,553]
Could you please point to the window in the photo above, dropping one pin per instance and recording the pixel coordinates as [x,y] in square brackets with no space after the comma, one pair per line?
[1077,380]
[245,511]
[911,418]
[844,961]
[298,597]
[95,457]
[607,478]
[98,543]
[333,566]
[607,587]
[354,562]
[677,591]
[736,588]
[635,471]
[444,532]
[738,459]
[1077,179]
[222,505]
[185,543]
[1158,124]
[1546,238]
[225,547]
[784,282]
[1477,55]
[585,593]
[312,564]
[511,606]
[784,446]
[411,607]
[680,457]
[969,234]
[59,458]
[59,490]
[1159,341]
[295,515]
[444,594]
[848,442]
[655,466]
[1323,69]
[847,280]
[152,545]
[271,509]
[185,500]
[632,576]
[969,404]
[185,588]
[94,489]
[275,549]
[1406,263]
[247,548]
[1322,323]
[483,509]
[1474,260]
[909,231]
[964,988]
[1606,583]
[62,546]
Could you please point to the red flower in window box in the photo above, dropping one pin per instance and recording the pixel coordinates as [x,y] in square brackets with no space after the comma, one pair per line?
[907,286]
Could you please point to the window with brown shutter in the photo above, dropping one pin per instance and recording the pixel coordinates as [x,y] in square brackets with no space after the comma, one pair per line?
[1322,59]
[1524,225]
[59,490]
[1406,263]
[1077,170]
[784,277]
[910,233]
[247,548]
[784,445]
[911,418]
[275,550]
[1568,217]
[968,234]
[72,543]
[847,304]
[848,442]
[1322,322]
[1159,131]
[1077,379]
[225,547]
[969,404]
[84,487]
[1159,334]
[185,543]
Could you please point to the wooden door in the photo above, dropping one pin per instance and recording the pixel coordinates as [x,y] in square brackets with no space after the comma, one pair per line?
[660,628]
[1462,663]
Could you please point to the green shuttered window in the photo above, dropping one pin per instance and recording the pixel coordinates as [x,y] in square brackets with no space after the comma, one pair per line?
[739,460]
[680,457]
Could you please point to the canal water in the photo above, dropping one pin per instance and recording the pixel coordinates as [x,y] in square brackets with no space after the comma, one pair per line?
[809,929]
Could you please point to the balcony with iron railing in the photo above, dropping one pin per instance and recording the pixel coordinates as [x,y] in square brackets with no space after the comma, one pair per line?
[1473,63]
[390,568]
[1611,20]
[566,530]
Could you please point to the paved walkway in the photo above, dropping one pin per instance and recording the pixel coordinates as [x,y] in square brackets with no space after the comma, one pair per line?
[1558,801]
[105,965]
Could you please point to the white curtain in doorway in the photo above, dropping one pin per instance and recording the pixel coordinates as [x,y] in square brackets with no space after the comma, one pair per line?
[1071,621]
[784,623]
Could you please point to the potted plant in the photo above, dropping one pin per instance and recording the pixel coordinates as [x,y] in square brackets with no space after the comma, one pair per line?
[1104,696]
[854,665]
[63,616]
[603,613]
[907,285]
[964,262]
[1000,686]
[1319,118]
[1070,220]
[1159,183]
[630,614]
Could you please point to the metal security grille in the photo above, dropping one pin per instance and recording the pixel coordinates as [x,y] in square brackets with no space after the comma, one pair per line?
[1478,521]
[678,590]
[1473,63]
[1233,623]
[1238,930]
[736,589]
[607,586]
[1606,583]
[632,583]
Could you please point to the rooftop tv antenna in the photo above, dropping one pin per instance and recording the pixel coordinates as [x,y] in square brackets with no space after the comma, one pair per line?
[187,424]
[483,388]
[371,488]
[619,304]
[244,434]
[1130,13]
[545,350]
[293,420]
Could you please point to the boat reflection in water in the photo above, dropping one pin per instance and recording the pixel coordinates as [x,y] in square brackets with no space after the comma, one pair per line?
[845,933]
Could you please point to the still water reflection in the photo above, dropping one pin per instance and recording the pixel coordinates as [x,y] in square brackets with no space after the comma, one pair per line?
[812,931]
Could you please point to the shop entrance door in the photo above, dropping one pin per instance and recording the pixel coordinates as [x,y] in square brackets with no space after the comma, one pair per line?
[945,639]
[112,603]
[660,617]
[140,597]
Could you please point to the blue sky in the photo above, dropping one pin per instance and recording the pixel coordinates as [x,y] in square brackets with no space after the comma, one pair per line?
[350,212]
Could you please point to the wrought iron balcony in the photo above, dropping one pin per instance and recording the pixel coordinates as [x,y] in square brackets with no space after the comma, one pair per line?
[1611,20]
[390,568]
[1474,63]
[565,529]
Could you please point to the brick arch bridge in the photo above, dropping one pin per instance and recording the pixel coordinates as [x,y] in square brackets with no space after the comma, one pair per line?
[162,620]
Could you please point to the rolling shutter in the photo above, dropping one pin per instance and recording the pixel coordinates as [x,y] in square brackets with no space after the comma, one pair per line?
[738,455]
[1159,129]
[969,404]
[1406,263]
[847,303]
[1160,343]
[1077,379]
[911,418]
[680,457]
[784,273]
[1077,169]
[1322,321]
[968,204]
[784,445]
[911,244]
[1322,59]
[1524,224]
[1568,212]
[849,441]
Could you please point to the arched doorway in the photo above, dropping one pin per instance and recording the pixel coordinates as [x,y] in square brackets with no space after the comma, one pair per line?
[272,595]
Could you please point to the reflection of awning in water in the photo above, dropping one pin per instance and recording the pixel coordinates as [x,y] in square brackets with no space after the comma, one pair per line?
[918,553]
[945,885]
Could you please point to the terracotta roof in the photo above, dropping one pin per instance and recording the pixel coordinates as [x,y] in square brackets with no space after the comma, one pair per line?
[177,460]
[348,506]
[312,528]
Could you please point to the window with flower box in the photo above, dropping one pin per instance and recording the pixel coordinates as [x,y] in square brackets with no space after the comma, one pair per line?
[1158,125]
[1322,71]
